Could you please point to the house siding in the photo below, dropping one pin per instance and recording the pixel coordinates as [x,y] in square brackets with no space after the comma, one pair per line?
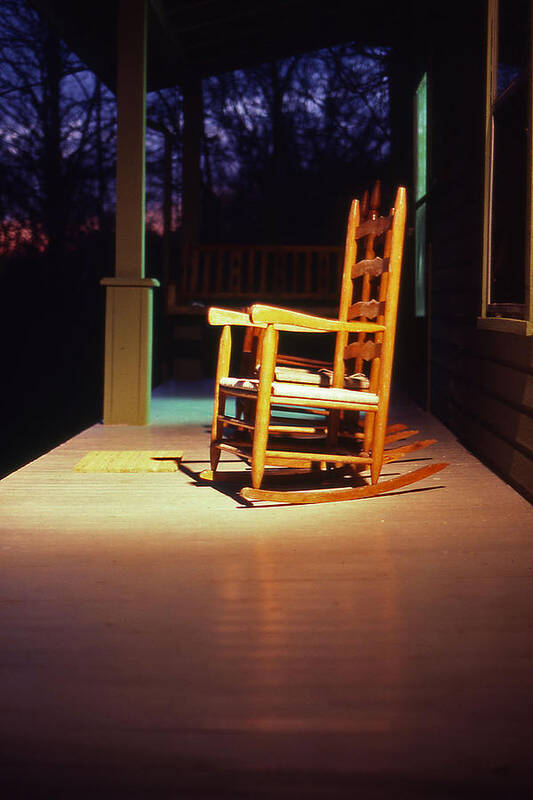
[481,382]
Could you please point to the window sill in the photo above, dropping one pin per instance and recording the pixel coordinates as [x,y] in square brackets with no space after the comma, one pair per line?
[522,327]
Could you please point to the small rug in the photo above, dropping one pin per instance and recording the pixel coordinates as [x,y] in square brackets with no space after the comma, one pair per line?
[130,461]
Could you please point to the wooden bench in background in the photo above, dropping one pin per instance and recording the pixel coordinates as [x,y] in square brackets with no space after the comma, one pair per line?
[237,275]
[302,277]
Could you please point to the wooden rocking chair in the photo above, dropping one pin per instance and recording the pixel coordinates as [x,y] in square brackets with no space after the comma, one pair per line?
[341,452]
[303,369]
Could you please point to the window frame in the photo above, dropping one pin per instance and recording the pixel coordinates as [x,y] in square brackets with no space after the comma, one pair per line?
[502,323]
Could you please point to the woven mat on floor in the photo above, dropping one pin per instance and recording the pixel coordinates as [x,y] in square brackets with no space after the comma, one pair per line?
[130,461]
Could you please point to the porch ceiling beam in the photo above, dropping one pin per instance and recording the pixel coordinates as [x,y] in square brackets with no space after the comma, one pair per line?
[197,39]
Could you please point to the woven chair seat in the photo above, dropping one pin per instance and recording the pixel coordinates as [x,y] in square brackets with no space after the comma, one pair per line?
[321,377]
[305,391]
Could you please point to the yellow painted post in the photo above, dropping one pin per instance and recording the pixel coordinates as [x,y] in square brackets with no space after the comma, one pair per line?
[129,301]
[128,350]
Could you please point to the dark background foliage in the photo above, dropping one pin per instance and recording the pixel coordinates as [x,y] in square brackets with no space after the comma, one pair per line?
[285,145]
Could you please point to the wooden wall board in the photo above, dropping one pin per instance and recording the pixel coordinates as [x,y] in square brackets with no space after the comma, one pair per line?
[511,386]
[512,425]
[502,456]
[505,348]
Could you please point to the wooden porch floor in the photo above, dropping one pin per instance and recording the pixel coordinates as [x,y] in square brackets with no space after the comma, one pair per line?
[160,640]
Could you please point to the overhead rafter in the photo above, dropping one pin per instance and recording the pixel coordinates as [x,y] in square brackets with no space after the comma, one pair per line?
[198,38]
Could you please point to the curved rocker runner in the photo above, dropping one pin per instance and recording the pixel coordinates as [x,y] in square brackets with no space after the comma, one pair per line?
[343,493]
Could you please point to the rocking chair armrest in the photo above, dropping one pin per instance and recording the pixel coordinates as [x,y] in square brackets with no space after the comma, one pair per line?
[229,316]
[273,315]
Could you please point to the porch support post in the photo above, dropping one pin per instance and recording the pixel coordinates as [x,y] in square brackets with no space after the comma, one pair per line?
[129,301]
[192,179]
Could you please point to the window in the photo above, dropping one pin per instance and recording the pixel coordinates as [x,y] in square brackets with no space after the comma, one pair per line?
[507,252]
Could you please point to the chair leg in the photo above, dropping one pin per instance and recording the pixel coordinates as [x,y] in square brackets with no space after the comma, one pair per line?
[214,457]
[333,427]
[262,411]
[368,431]
[378,444]
[219,404]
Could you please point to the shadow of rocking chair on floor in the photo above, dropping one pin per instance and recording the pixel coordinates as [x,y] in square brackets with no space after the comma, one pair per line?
[338,451]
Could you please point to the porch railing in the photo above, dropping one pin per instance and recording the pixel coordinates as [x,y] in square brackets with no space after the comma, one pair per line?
[238,275]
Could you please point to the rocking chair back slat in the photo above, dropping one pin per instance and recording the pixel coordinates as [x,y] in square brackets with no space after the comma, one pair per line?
[369,309]
[366,351]
[374,227]
[370,266]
